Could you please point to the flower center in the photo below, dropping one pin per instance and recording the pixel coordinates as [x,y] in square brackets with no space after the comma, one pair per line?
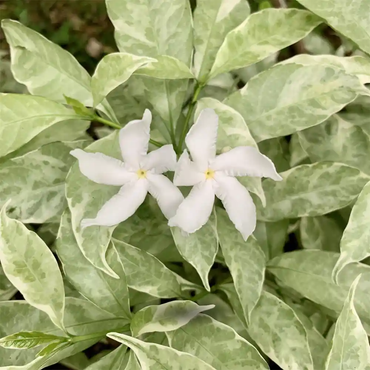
[141,174]
[210,174]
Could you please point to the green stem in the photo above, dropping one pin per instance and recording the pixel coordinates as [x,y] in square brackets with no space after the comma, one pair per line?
[197,90]
[81,338]
[117,126]
[199,296]
[106,122]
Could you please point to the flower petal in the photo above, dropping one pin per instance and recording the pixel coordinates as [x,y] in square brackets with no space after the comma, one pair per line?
[238,204]
[160,160]
[102,169]
[201,138]
[134,140]
[121,206]
[168,196]
[196,208]
[187,173]
[245,161]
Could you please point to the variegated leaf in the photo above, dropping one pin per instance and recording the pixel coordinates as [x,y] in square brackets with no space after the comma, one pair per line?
[31,267]
[321,232]
[279,333]
[299,96]
[337,140]
[260,35]
[157,357]
[35,198]
[165,317]
[350,345]
[217,344]
[303,188]
[349,17]
[309,273]
[85,198]
[146,273]
[113,70]
[356,65]
[23,117]
[355,243]
[199,248]
[106,292]
[152,29]
[212,22]
[245,260]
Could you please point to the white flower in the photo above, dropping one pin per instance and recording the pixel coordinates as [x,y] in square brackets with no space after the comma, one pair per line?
[212,175]
[138,174]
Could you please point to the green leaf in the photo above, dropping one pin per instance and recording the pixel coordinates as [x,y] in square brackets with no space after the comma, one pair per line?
[103,290]
[319,346]
[309,273]
[320,233]
[31,267]
[29,339]
[166,68]
[271,236]
[350,346]
[349,17]
[52,348]
[146,273]
[279,333]
[61,131]
[260,35]
[297,154]
[144,28]
[44,67]
[157,357]
[81,318]
[205,338]
[37,198]
[113,70]
[200,248]
[115,360]
[85,198]
[24,116]
[165,317]
[298,97]
[277,149]
[7,290]
[223,313]
[232,132]
[79,361]
[245,260]
[355,243]
[17,316]
[303,188]
[356,65]
[337,140]
[148,230]
[79,108]
[212,22]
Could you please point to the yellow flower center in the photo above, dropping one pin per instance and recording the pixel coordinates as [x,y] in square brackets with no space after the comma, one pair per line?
[141,174]
[210,174]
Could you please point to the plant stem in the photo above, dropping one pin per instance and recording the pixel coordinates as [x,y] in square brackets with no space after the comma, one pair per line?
[199,296]
[197,90]
[117,126]
[81,338]
[106,122]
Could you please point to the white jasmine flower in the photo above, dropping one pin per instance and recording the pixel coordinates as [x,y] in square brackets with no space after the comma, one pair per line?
[138,174]
[212,175]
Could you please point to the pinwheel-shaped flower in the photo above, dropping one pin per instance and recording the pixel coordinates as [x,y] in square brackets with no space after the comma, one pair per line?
[212,175]
[138,174]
